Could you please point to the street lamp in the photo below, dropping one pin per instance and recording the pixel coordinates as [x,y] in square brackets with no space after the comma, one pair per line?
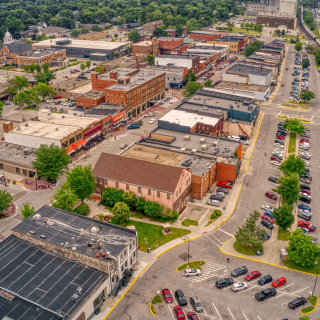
[315,283]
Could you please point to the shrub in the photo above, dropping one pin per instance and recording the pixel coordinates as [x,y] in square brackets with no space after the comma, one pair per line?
[217,212]
[213,216]
[169,216]
[82,209]
[111,196]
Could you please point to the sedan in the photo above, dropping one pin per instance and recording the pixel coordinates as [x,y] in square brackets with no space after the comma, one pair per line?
[221,283]
[304,207]
[224,190]
[297,302]
[167,295]
[269,214]
[305,191]
[276,163]
[271,195]
[179,313]
[307,225]
[49,101]
[279,142]
[304,230]
[307,154]
[305,135]
[216,197]
[279,282]
[239,271]
[304,140]
[273,179]
[192,272]
[278,145]
[307,128]
[280,137]
[267,207]
[274,158]
[239,286]
[192,316]
[225,184]
[265,217]
[152,120]
[253,275]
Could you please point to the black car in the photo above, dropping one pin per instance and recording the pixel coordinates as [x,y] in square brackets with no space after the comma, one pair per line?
[273,179]
[265,279]
[277,156]
[305,199]
[139,123]
[287,68]
[279,141]
[266,293]
[282,132]
[224,282]
[224,190]
[239,271]
[305,187]
[267,224]
[216,197]
[297,302]
[181,298]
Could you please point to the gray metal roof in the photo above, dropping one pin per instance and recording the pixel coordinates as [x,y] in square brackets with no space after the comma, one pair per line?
[240,68]
[18,47]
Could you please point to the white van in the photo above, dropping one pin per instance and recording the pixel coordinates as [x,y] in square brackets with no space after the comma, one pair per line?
[214,202]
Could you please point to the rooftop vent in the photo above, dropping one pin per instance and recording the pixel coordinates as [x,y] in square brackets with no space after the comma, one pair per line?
[36,217]
[186,137]
[42,236]
[75,297]
[32,232]
[194,151]
[50,222]
[202,140]
[204,147]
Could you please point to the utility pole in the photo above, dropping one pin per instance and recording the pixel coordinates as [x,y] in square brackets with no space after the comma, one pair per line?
[315,283]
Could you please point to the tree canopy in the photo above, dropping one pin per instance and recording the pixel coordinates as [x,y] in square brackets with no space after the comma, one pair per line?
[134,36]
[121,212]
[293,165]
[64,199]
[191,88]
[283,216]
[298,46]
[5,200]
[305,63]
[306,95]
[294,126]
[27,210]
[288,188]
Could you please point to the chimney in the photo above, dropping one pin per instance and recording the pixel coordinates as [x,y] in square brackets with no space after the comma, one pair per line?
[74,85]
[94,76]
[7,126]
[24,119]
[36,118]
[261,68]
[102,70]
[113,74]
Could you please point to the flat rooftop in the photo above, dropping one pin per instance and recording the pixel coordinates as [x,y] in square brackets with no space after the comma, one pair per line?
[93,94]
[241,86]
[207,32]
[82,89]
[278,15]
[244,69]
[200,110]
[40,282]
[263,56]
[15,154]
[230,38]
[65,119]
[121,72]
[175,56]
[167,67]
[256,64]
[44,130]
[207,48]
[169,38]
[42,53]
[143,43]
[178,141]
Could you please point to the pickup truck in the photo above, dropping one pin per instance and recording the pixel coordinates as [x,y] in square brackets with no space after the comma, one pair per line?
[266,293]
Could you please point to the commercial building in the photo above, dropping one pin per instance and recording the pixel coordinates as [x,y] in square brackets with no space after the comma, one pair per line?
[169,186]
[265,59]
[185,60]
[236,43]
[240,73]
[100,51]
[276,19]
[274,68]
[172,31]
[181,48]
[92,36]
[252,11]
[91,99]
[272,49]
[167,44]
[128,27]
[62,87]
[53,31]
[204,35]
[212,49]
[73,94]
[71,264]
[124,62]
[149,27]
[232,127]
[144,48]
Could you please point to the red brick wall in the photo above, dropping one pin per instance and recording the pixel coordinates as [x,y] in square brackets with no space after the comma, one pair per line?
[99,84]
[93,126]
[86,102]
[182,49]
[205,37]
[168,46]
[226,172]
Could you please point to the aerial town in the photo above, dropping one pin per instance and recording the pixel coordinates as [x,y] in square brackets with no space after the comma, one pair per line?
[156,162]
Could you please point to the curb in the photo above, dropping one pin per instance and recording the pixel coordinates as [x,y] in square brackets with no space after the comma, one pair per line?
[105,317]
[151,309]
[314,308]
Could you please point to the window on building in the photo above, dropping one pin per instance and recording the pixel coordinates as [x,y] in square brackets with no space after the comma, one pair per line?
[117,184]
[177,194]
[18,170]
[149,192]
[130,246]
[134,254]
[24,172]
[139,189]
[65,144]
[122,268]
[168,196]
[72,140]
[79,136]
[127,187]
[1,166]
[131,262]
[158,194]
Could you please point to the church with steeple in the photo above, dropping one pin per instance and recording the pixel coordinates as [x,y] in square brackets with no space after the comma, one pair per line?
[10,49]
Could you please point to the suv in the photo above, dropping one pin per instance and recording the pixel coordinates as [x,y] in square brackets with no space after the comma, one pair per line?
[195,302]
[181,298]
[305,199]
[297,302]
[266,293]
[192,272]
[304,187]
[224,282]
[306,215]
[239,271]
[270,195]
[267,224]
[265,279]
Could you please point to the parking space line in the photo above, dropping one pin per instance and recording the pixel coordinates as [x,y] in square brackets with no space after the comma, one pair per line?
[225,232]
[293,293]
[171,313]
[245,315]
[286,302]
[231,313]
[211,235]
[217,311]
[249,288]
[277,296]
[259,318]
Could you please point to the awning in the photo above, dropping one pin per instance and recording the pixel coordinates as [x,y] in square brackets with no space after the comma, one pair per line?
[76,145]
[177,83]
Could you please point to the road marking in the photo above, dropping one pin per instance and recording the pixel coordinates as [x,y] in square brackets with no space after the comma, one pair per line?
[286,302]
[215,237]
[231,314]
[225,232]
[171,312]
[258,317]
[217,311]
[211,240]
[277,297]
[286,287]
[293,293]
[244,315]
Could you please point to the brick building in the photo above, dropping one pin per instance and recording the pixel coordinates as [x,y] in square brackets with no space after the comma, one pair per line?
[181,48]
[205,35]
[149,27]
[167,44]
[173,32]
[236,43]
[167,185]
[62,87]
[90,99]
[144,48]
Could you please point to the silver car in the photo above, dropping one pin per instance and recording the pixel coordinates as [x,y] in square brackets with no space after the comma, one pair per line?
[192,272]
[195,302]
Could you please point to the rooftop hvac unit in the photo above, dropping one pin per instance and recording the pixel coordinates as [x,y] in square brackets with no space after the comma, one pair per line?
[50,222]
[75,297]
[186,137]
[205,108]
[204,147]
[202,140]
[94,229]
[183,149]
[36,217]
[215,143]
[194,151]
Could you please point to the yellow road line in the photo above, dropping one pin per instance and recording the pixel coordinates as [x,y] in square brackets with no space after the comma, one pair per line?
[312,309]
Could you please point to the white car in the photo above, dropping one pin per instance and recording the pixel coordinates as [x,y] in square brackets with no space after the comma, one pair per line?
[306,163]
[152,121]
[266,207]
[305,195]
[65,103]
[214,202]
[150,114]
[49,101]
[239,286]
[245,142]
[304,148]
[277,152]
[278,145]
[307,128]
[276,163]
[307,154]
[192,272]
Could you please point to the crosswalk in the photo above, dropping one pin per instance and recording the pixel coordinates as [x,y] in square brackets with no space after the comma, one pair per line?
[209,270]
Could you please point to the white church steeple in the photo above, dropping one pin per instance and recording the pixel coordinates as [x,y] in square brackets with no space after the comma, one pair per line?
[8,38]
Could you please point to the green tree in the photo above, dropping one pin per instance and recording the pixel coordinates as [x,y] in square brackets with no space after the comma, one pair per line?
[180,29]
[75,33]
[305,63]
[116,35]
[134,36]
[43,90]
[293,165]
[301,250]
[27,210]
[191,88]
[121,212]
[95,27]
[283,33]
[27,97]
[18,83]
[111,196]
[283,216]
[153,209]
[140,204]
[50,161]
[117,54]
[294,126]
[1,107]
[288,188]
[277,32]
[81,181]
[37,67]
[45,17]
[251,233]
[64,199]
[192,24]
[160,32]
[242,25]
[150,59]
[306,95]
[129,198]
[45,68]
[82,67]
[5,200]
[44,77]
[190,77]
[298,46]
[248,51]
[84,30]
[208,83]
[88,64]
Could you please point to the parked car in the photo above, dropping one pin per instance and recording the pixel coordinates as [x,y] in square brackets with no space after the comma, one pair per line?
[239,286]
[279,282]
[196,304]
[192,272]
[266,293]
[123,146]
[297,302]
[225,184]
[306,224]
[57,97]
[253,275]
[150,114]
[179,313]
[221,283]
[49,101]
[239,271]
[181,298]
[271,195]
[305,199]
[264,280]
[152,120]
[133,126]
[167,295]
[267,224]
[304,207]
[267,207]
[269,214]
[224,190]
[267,218]
[273,179]
[214,202]
[306,215]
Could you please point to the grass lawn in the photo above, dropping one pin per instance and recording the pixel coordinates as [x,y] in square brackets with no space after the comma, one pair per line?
[192,265]
[313,300]
[154,312]
[294,266]
[212,220]
[284,235]
[307,309]
[188,222]
[137,215]
[292,145]
[244,31]
[250,251]
[153,234]
[156,299]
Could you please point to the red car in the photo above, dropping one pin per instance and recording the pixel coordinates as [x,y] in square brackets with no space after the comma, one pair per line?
[280,137]
[167,295]
[279,282]
[179,313]
[192,316]
[76,70]
[252,275]
[264,217]
[304,140]
[271,195]
[306,224]
[57,97]
[305,191]
[274,158]
[225,184]
[282,85]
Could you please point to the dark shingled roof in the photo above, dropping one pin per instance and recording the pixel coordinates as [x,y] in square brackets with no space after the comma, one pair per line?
[18,47]
[139,172]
